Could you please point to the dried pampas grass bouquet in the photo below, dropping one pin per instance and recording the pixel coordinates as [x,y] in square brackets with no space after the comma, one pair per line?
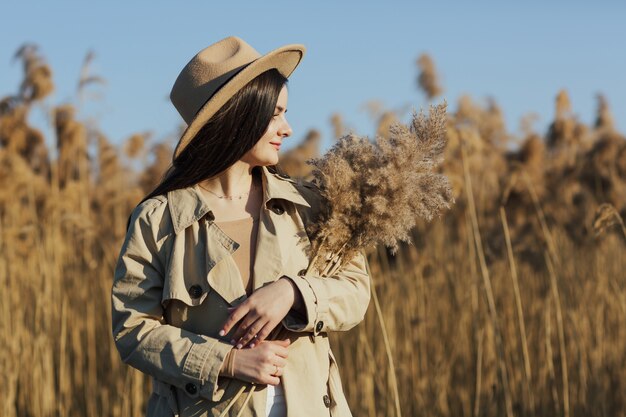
[375,192]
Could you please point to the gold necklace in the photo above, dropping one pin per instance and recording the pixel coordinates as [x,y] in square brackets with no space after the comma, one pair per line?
[230,197]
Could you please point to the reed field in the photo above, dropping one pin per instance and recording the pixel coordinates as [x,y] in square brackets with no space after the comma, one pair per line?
[513,303]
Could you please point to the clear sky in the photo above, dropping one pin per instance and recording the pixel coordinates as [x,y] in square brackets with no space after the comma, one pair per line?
[520,54]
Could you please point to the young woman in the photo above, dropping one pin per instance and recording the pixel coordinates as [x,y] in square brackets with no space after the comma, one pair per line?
[210,295]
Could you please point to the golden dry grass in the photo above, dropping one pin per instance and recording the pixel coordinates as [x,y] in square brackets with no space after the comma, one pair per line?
[510,304]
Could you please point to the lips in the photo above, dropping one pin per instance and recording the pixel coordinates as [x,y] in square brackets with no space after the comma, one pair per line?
[276,145]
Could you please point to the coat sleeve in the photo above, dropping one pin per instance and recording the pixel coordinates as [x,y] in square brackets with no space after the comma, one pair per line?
[175,356]
[334,303]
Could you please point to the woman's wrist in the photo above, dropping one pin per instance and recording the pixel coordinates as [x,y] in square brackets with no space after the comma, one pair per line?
[298,302]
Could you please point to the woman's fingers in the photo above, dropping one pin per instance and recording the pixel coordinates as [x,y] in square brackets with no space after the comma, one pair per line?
[262,334]
[250,334]
[274,371]
[279,361]
[237,314]
[280,349]
[272,380]
[247,327]
[278,371]
[264,364]
[283,342]
[269,304]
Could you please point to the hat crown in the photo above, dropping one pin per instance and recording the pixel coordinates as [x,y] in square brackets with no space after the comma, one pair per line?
[217,73]
[207,72]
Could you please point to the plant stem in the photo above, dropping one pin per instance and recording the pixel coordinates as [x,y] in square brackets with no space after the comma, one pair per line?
[520,311]
[542,219]
[561,333]
[392,368]
[488,289]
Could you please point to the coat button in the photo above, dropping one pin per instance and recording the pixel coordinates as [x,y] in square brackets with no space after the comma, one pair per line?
[278,209]
[191,389]
[327,401]
[302,272]
[319,326]
[210,216]
[195,291]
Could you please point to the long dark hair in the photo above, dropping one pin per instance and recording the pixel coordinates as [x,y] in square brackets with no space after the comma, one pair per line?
[231,132]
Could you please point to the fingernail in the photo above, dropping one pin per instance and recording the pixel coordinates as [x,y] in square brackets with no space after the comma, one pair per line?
[252,345]
[239,346]
[221,333]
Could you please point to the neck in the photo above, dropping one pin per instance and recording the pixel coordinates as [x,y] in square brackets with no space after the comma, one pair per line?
[236,180]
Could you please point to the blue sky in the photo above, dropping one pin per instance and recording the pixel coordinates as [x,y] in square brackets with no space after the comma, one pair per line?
[520,54]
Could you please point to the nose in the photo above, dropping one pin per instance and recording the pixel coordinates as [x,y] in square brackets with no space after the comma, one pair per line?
[285,129]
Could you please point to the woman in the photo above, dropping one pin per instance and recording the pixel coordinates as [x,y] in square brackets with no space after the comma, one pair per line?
[215,257]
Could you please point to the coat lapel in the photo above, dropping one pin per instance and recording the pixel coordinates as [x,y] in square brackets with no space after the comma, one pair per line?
[223,275]
[281,232]
[268,262]
[280,235]
[279,239]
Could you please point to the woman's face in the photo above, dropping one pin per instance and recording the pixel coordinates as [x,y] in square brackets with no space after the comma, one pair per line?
[265,151]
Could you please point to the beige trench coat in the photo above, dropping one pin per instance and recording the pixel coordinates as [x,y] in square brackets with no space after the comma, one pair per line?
[175,279]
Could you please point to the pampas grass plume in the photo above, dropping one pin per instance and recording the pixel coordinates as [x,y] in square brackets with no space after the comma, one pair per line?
[377,191]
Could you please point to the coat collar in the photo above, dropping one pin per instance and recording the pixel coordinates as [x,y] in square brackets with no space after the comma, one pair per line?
[187,206]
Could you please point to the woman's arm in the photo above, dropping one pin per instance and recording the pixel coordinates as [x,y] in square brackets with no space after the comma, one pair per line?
[307,304]
[334,303]
[178,357]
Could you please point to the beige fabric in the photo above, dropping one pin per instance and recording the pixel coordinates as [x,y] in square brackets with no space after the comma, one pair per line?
[243,231]
[175,278]
[217,72]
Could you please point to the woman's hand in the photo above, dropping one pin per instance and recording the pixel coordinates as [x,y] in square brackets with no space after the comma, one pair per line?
[260,313]
[263,364]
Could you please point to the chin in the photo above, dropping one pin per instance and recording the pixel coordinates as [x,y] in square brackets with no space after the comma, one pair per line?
[266,162]
[262,160]
[270,160]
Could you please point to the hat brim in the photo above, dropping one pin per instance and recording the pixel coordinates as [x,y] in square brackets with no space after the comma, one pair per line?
[285,59]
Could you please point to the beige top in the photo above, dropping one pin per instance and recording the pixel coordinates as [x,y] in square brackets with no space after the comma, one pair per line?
[244,232]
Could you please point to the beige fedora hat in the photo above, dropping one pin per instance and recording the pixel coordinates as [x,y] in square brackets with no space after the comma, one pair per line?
[217,72]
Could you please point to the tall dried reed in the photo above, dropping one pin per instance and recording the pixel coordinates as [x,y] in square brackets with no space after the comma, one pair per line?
[559,331]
